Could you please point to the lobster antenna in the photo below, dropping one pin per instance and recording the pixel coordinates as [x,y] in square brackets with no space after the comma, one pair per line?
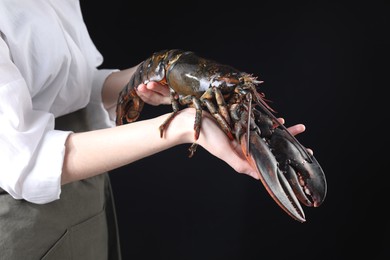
[249,99]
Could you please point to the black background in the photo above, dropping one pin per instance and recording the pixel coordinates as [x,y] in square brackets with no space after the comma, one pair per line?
[324,65]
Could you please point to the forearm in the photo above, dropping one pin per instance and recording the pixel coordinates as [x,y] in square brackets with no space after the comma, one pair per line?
[92,153]
[114,83]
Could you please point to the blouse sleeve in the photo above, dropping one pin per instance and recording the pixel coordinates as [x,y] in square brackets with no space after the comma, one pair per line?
[31,151]
[98,117]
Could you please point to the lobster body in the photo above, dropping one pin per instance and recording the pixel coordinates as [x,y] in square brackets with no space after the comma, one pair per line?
[167,67]
[289,173]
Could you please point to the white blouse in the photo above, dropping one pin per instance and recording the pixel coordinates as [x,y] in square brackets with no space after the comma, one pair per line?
[48,68]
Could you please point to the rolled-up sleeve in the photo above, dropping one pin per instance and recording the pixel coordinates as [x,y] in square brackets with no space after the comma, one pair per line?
[31,151]
[98,117]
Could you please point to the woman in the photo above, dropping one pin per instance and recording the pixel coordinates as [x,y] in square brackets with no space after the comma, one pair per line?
[58,139]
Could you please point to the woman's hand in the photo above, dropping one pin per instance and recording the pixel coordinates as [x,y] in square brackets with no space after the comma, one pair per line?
[154,93]
[215,141]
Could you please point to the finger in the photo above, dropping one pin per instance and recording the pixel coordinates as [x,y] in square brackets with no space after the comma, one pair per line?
[159,88]
[155,99]
[141,88]
[296,129]
[281,120]
[151,97]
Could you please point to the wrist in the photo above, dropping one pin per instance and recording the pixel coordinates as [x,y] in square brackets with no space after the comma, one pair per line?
[181,128]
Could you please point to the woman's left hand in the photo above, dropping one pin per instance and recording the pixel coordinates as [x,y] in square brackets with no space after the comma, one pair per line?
[154,93]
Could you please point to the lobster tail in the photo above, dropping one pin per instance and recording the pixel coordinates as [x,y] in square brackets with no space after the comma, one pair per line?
[129,104]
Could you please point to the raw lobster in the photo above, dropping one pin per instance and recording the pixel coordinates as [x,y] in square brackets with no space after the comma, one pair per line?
[289,173]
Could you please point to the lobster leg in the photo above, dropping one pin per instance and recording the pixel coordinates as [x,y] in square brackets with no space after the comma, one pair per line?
[222,107]
[175,107]
[220,119]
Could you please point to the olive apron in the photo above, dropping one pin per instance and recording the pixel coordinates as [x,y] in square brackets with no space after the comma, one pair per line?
[80,225]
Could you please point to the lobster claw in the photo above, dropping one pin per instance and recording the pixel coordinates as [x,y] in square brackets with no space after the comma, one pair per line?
[288,181]
[262,159]
[301,168]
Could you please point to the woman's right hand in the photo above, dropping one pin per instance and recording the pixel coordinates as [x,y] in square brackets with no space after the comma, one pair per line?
[215,141]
